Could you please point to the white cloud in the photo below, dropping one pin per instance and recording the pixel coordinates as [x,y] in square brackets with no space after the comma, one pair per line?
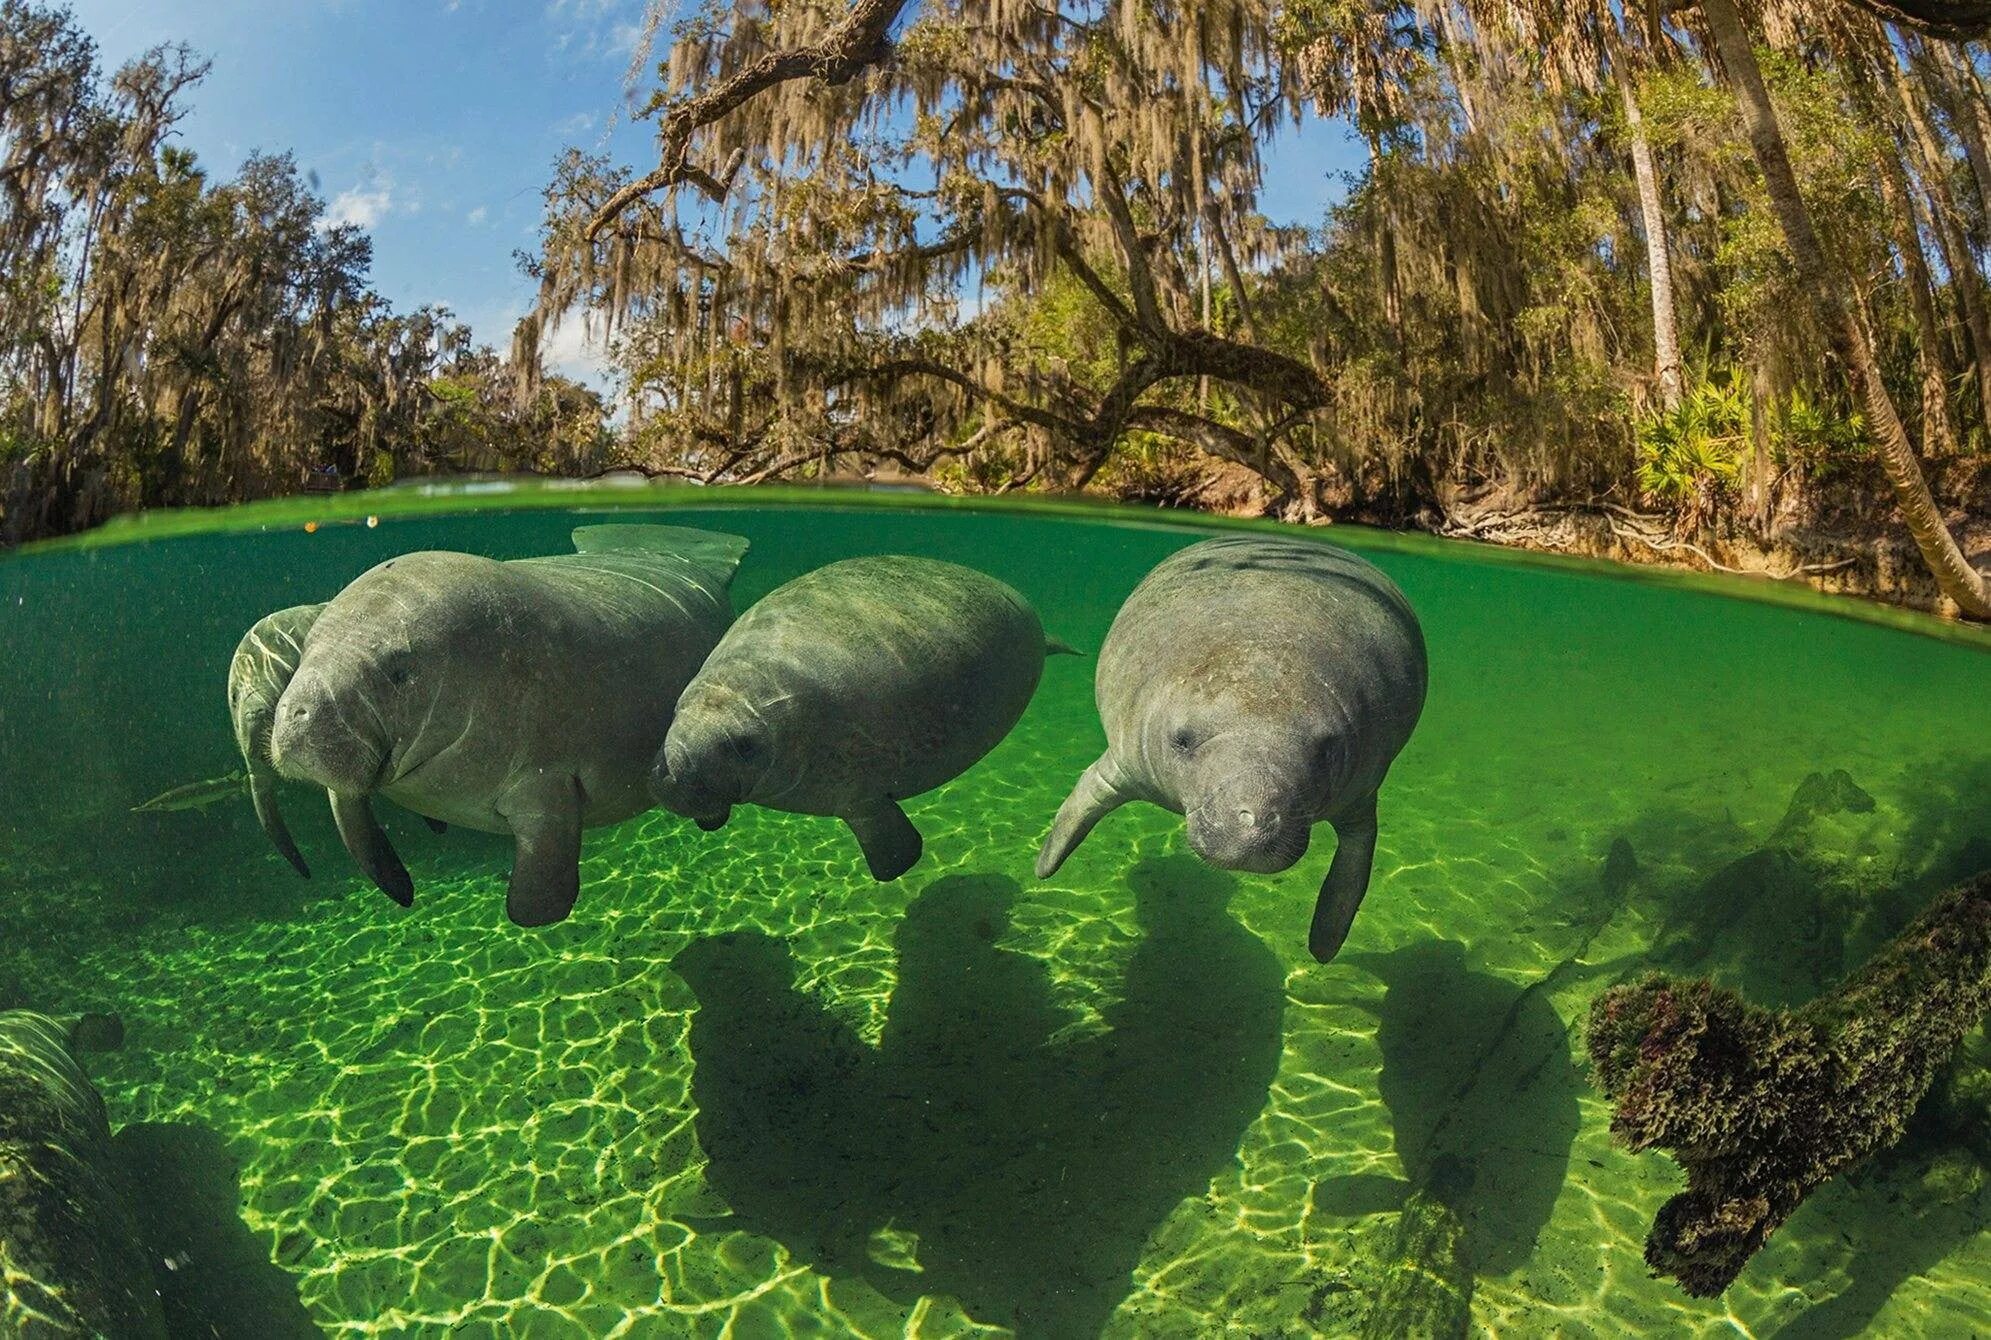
[596,30]
[580,123]
[359,205]
[571,352]
[476,217]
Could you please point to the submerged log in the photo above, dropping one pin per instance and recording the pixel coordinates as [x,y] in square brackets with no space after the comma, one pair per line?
[1760,1106]
[71,1260]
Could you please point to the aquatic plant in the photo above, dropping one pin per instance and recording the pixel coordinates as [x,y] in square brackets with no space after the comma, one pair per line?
[1761,1107]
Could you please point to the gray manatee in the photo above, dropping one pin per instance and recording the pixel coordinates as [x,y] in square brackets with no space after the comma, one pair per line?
[264,661]
[850,689]
[1256,686]
[72,1260]
[524,697]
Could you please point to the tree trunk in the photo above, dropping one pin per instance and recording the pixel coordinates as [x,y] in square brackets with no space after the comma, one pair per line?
[1973,119]
[1958,258]
[1953,573]
[1658,263]
[1938,436]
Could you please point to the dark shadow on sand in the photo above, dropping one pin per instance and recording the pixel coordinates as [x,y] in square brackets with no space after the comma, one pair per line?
[1482,1093]
[1892,1232]
[215,1277]
[1024,1175]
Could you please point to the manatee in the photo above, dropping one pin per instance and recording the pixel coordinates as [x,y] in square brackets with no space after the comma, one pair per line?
[526,697]
[72,1260]
[849,690]
[1256,686]
[264,661]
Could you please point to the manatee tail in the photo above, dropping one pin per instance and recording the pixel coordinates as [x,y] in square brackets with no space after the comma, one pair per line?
[717,553]
[1058,647]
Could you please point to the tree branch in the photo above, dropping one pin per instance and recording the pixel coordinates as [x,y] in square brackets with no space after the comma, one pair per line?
[859,40]
[1957,20]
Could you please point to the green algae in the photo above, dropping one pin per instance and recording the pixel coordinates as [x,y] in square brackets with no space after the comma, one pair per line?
[444,1126]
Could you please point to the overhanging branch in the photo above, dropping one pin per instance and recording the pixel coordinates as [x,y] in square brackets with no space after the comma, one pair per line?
[859,40]
[1957,20]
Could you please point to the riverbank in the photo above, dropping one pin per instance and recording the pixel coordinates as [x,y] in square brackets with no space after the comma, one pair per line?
[1842,537]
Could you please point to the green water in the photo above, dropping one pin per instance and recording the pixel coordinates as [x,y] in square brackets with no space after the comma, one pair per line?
[747,1092]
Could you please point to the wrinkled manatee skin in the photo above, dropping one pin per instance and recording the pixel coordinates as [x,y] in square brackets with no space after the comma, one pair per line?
[850,689]
[1257,686]
[526,697]
[258,674]
[71,1259]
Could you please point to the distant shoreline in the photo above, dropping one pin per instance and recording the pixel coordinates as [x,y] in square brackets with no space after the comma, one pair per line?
[630,490]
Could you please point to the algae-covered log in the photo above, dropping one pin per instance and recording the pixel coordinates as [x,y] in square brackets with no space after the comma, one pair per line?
[71,1261]
[1761,1106]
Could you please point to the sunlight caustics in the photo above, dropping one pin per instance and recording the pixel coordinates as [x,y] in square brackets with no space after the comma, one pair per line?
[747,1091]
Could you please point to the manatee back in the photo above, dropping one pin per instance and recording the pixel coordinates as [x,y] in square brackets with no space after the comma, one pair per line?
[714,555]
[1298,625]
[890,674]
[647,572]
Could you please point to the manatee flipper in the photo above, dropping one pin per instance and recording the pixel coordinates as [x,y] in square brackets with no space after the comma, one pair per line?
[891,844]
[1057,647]
[435,825]
[1347,880]
[545,815]
[1097,795]
[369,846]
[263,795]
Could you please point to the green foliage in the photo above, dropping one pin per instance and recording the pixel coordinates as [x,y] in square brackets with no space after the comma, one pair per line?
[171,337]
[1814,437]
[1693,455]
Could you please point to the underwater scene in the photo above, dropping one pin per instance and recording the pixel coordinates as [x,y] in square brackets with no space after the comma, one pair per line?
[783,1049]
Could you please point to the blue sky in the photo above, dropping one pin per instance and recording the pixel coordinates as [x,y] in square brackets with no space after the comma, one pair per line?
[435,123]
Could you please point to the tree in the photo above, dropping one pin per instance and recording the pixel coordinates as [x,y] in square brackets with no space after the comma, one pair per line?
[1112,146]
[784,282]
[167,338]
[1954,574]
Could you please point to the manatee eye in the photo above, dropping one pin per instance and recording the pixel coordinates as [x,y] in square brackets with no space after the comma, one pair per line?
[746,748]
[397,668]
[1184,740]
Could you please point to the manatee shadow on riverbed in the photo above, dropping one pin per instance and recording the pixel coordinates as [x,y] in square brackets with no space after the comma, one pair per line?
[1019,1174]
[215,1277]
[1482,1094]
[1802,907]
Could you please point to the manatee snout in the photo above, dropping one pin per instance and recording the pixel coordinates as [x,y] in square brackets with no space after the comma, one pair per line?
[311,740]
[714,757]
[1249,827]
[682,787]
